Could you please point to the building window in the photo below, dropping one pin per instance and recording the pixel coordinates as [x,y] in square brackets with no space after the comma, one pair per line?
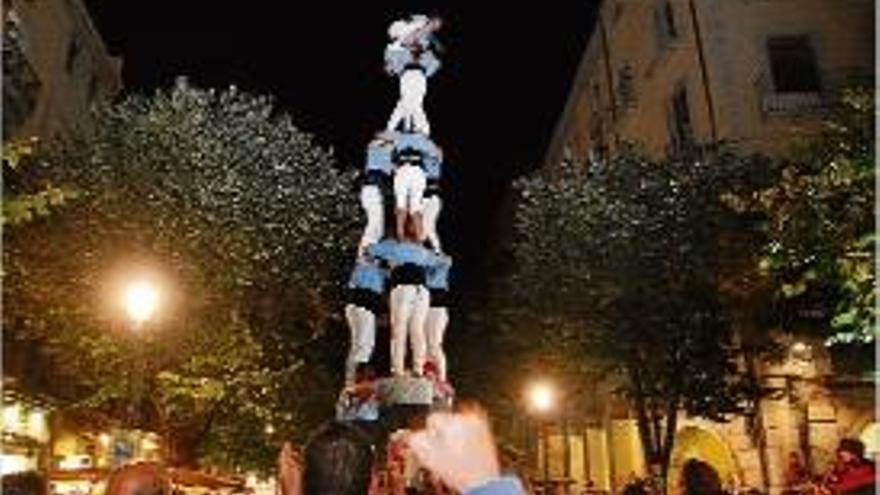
[21,86]
[680,129]
[793,64]
[665,25]
[73,50]
[669,21]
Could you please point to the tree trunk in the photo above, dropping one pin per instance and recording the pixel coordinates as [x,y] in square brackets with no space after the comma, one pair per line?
[657,424]
[668,443]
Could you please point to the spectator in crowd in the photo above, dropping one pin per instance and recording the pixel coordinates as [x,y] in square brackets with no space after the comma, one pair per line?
[338,461]
[797,476]
[143,478]
[699,478]
[24,483]
[458,448]
[359,401]
[853,474]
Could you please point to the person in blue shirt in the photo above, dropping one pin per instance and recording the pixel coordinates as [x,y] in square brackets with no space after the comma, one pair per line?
[409,299]
[437,319]
[365,289]
[359,401]
[431,154]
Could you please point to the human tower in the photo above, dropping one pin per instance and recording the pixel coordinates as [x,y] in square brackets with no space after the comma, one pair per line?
[400,262]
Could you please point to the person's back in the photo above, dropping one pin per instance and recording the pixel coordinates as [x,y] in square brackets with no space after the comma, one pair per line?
[338,461]
[700,478]
[143,478]
[24,483]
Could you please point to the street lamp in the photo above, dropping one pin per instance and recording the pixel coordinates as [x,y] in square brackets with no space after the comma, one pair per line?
[141,300]
[541,396]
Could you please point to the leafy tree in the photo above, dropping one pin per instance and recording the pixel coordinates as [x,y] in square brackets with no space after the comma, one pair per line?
[618,270]
[246,225]
[21,204]
[821,236]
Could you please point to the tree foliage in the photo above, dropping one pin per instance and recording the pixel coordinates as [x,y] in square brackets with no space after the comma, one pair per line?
[621,262]
[22,204]
[245,225]
[821,235]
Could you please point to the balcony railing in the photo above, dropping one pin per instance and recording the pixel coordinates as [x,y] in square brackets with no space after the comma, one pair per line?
[790,103]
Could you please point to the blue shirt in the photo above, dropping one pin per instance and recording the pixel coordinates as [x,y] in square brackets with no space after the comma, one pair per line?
[379,156]
[430,63]
[432,158]
[437,276]
[399,253]
[504,485]
[367,276]
[397,58]
[348,409]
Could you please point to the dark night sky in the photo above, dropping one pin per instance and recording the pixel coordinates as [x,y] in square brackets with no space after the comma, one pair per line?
[493,105]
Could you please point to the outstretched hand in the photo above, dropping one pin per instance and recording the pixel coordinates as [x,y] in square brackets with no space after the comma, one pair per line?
[458,448]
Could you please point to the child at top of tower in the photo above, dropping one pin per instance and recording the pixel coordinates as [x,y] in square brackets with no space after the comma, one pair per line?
[412,45]
[410,57]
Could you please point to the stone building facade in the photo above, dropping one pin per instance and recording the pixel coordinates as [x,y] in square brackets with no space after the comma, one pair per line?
[758,74]
[55,66]
[755,72]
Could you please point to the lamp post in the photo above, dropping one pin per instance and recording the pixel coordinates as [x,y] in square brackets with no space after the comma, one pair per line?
[542,400]
[141,301]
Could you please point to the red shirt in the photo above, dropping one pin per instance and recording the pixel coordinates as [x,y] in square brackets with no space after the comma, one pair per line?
[855,478]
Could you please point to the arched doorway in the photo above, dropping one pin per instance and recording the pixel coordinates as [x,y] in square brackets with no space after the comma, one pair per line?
[693,442]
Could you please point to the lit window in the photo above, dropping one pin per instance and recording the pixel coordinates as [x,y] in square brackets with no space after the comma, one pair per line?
[12,418]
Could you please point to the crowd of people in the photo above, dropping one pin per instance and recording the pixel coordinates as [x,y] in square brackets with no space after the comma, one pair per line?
[453,453]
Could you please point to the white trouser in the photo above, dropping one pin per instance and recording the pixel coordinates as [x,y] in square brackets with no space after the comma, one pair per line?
[362,323]
[430,212]
[409,188]
[371,201]
[409,109]
[435,327]
[409,308]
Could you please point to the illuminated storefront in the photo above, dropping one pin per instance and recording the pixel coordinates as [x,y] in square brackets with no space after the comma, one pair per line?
[84,456]
[25,433]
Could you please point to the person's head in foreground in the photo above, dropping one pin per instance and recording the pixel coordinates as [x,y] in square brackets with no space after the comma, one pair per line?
[143,478]
[338,461]
[850,450]
[699,478]
[24,483]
